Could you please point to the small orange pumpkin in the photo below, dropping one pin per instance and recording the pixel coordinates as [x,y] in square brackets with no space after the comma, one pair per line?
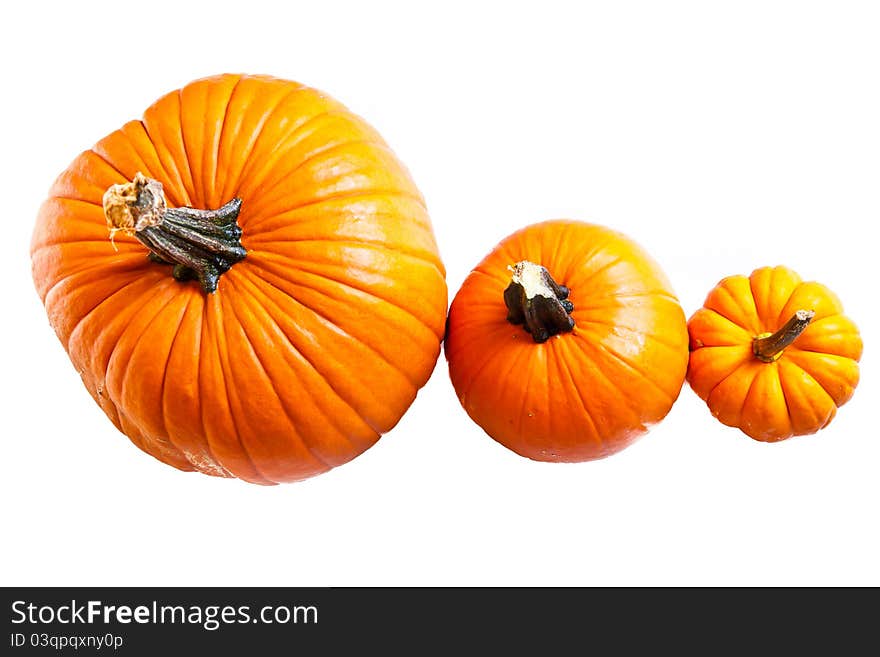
[773,355]
[603,354]
[277,332]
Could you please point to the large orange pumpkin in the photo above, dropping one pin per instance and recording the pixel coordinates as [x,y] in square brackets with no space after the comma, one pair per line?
[773,355]
[566,342]
[271,358]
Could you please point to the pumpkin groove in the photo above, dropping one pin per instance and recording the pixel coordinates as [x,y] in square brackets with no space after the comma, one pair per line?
[294,437]
[341,295]
[573,391]
[287,147]
[360,345]
[297,361]
[179,194]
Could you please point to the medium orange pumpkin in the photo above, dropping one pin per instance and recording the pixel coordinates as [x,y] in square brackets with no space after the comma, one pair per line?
[603,354]
[276,334]
[773,355]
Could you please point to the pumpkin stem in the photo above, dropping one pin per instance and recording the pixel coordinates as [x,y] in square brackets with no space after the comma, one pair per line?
[201,244]
[536,301]
[769,346]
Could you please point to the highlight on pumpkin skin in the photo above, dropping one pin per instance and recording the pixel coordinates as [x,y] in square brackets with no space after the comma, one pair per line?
[603,355]
[772,355]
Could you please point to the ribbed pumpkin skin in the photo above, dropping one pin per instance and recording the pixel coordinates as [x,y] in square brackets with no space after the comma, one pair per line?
[581,395]
[312,346]
[795,395]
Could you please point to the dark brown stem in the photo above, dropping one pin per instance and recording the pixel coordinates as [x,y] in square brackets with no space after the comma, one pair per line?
[201,244]
[769,346]
[536,301]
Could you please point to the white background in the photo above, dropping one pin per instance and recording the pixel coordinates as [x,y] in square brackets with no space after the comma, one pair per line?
[721,136]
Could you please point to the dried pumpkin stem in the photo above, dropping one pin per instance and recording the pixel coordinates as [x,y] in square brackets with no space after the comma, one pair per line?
[201,244]
[769,346]
[536,301]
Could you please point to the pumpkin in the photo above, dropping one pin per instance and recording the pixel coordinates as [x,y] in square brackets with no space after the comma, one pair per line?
[272,297]
[773,355]
[566,343]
